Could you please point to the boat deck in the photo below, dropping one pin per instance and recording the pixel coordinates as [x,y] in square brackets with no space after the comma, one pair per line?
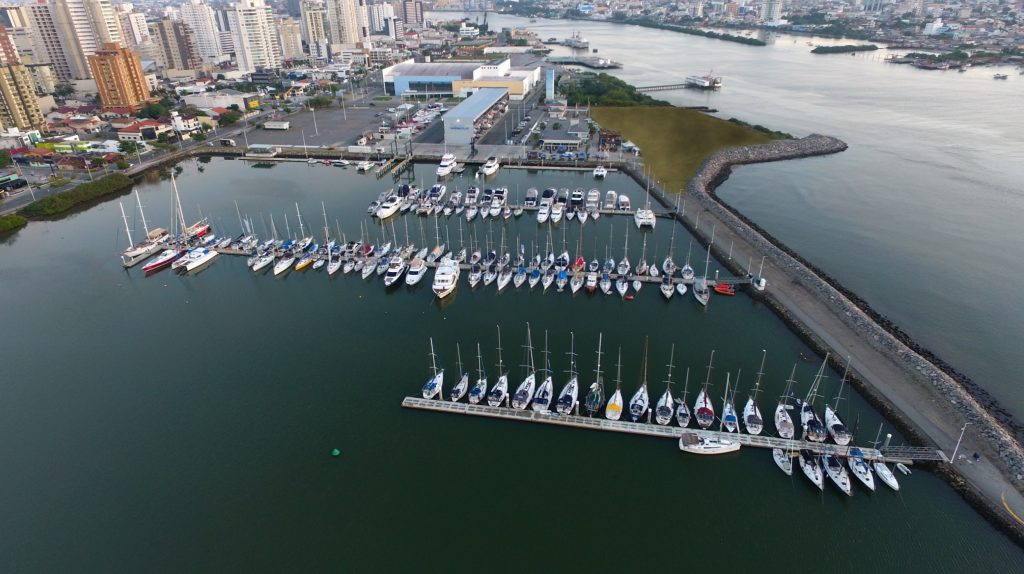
[906,455]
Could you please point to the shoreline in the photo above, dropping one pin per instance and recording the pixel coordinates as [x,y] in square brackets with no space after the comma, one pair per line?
[932,399]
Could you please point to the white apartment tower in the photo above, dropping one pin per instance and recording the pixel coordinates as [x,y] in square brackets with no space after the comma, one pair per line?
[314,29]
[201,19]
[289,35]
[379,14]
[253,35]
[771,10]
[347,21]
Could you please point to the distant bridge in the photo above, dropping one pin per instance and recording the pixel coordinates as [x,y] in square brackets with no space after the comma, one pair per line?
[662,88]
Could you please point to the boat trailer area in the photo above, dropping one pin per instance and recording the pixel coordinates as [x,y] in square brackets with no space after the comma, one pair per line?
[894,454]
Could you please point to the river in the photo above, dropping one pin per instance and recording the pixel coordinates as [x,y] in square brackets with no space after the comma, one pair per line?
[185,423]
[920,217]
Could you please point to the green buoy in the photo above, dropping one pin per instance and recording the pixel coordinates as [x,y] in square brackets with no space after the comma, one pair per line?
[335,452]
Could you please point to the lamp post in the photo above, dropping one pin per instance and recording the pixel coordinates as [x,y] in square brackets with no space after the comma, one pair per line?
[952,459]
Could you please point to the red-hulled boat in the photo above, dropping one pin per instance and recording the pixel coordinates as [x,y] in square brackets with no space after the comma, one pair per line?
[198,229]
[165,258]
[725,289]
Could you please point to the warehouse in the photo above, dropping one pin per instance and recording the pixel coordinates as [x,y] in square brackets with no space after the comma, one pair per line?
[414,80]
[473,116]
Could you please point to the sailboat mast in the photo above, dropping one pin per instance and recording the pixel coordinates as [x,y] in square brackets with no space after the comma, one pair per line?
[142,214]
[842,382]
[725,401]
[126,229]
[302,228]
[707,377]
[327,227]
[760,373]
[433,357]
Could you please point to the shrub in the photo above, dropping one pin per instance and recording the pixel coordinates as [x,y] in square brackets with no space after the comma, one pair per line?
[123,164]
[11,222]
[65,200]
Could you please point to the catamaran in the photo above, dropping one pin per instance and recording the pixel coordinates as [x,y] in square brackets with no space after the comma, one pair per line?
[595,395]
[783,422]
[568,398]
[546,390]
[640,403]
[600,172]
[524,393]
[613,411]
[460,388]
[499,393]
[479,390]
[833,423]
[433,387]
[751,413]
[663,411]
[703,408]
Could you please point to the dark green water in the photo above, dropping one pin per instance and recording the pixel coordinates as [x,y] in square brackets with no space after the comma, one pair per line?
[185,423]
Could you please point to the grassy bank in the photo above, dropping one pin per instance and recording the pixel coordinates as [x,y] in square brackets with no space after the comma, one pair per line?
[60,202]
[675,141]
[11,222]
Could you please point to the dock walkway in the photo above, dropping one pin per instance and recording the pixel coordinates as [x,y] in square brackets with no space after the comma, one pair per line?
[906,455]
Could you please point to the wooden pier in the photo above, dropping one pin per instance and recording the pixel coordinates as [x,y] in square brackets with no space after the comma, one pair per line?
[906,455]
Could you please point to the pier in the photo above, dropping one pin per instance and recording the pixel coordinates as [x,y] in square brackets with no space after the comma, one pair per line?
[661,88]
[585,61]
[906,455]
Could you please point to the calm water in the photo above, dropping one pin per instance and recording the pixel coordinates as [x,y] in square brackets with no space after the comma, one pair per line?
[178,423]
[919,217]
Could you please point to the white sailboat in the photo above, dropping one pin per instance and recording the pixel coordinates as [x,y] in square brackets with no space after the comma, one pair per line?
[833,423]
[524,393]
[729,419]
[665,407]
[569,396]
[811,469]
[683,411]
[812,428]
[460,388]
[433,387]
[836,471]
[546,390]
[700,286]
[479,390]
[613,410]
[702,408]
[882,469]
[783,422]
[861,469]
[751,412]
[499,393]
[595,394]
[783,461]
[693,443]
[640,403]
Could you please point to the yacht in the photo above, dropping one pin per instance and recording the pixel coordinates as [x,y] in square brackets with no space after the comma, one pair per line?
[524,393]
[613,411]
[729,419]
[600,172]
[667,288]
[546,390]
[569,396]
[543,213]
[752,419]
[396,268]
[835,471]
[165,258]
[640,403]
[810,468]
[611,199]
[833,423]
[665,408]
[783,461]
[197,258]
[576,201]
[460,388]
[861,469]
[446,278]
[417,269]
[491,166]
[702,408]
[531,197]
[886,475]
[595,394]
[432,388]
[479,390]
[557,210]
[696,444]
[447,164]
[593,202]
[623,203]
[389,207]
[548,196]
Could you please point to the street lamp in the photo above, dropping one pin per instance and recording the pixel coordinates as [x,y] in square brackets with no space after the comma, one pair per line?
[952,459]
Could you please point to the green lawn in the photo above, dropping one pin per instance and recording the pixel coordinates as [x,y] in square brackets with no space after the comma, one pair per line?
[675,141]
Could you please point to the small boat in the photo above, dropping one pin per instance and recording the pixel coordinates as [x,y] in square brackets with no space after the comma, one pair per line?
[595,394]
[835,471]
[724,289]
[810,468]
[499,393]
[665,407]
[364,166]
[524,393]
[491,166]
[479,390]
[903,468]
[433,386]
[783,461]
[1000,76]
[861,469]
[696,444]
[568,398]
[600,172]
[681,289]
[640,403]
[613,410]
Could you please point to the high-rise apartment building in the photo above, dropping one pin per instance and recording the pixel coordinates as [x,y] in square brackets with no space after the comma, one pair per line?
[347,21]
[8,51]
[19,105]
[177,45]
[412,13]
[119,77]
[314,29]
[378,15]
[254,37]
[203,22]
[55,41]
[104,21]
[771,10]
[289,36]
[135,28]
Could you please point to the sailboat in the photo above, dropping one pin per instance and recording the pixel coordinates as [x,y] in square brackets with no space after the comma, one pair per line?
[783,422]
[703,409]
[729,419]
[640,403]
[568,398]
[783,461]
[613,411]
[882,470]
[810,468]
[460,388]
[154,239]
[700,287]
[663,411]
[833,423]
[433,387]
[683,411]
[499,393]
[861,469]
[479,390]
[813,429]
[835,471]
[595,395]
[524,393]
[546,390]
[751,413]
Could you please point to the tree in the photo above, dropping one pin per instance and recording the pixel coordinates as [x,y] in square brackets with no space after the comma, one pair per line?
[318,102]
[123,164]
[98,162]
[152,111]
[163,138]
[128,147]
[5,158]
[63,90]
[228,118]
[198,136]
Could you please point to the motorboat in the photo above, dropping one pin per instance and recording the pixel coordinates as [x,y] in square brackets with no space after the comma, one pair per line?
[389,207]
[623,203]
[543,213]
[593,201]
[531,197]
[811,469]
[783,461]
[600,171]
[576,200]
[548,196]
[725,289]
[491,166]
[557,210]
[196,258]
[611,199]
[396,268]
[697,444]
[447,164]
[835,471]
[432,388]
[860,467]
[446,278]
